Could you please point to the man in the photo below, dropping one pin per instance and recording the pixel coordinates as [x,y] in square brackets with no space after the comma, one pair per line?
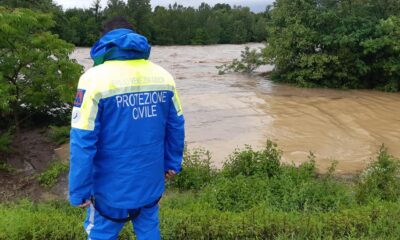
[127,135]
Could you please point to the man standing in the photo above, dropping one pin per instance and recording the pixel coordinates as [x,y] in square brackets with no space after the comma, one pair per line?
[127,136]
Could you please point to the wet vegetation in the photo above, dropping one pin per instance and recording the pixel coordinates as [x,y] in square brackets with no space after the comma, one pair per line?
[336,44]
[37,78]
[175,24]
[254,196]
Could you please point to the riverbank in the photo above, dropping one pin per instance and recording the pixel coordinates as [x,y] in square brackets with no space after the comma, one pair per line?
[254,196]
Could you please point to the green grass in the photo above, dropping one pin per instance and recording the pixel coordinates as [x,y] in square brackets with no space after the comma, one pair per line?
[60,135]
[50,177]
[254,196]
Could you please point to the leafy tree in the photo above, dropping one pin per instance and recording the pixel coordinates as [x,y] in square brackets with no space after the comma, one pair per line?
[200,37]
[213,30]
[173,25]
[139,11]
[37,75]
[96,9]
[260,30]
[85,29]
[383,51]
[337,44]
[115,8]
[42,5]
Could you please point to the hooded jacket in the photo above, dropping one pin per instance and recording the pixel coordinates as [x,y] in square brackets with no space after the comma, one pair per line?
[127,125]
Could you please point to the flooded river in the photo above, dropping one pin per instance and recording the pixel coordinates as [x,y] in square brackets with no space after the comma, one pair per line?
[226,112]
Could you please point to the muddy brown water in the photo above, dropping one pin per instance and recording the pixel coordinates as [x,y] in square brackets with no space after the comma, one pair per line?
[226,112]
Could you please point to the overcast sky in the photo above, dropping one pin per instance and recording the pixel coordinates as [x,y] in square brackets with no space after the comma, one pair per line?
[255,5]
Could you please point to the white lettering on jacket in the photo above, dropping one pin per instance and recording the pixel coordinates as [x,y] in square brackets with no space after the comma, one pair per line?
[144,105]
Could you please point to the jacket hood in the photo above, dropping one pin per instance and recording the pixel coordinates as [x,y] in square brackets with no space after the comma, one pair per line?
[120,44]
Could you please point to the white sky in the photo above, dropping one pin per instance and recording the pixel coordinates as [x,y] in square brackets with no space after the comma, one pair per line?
[255,5]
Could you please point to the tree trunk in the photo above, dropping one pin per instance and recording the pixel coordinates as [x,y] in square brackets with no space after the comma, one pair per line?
[16,120]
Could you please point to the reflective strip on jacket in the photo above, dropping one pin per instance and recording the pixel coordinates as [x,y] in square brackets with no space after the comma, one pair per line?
[127,131]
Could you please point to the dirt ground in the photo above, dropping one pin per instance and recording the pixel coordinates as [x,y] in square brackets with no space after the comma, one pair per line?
[31,154]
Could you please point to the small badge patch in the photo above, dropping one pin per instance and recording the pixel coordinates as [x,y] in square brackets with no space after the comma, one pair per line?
[79,98]
[76,115]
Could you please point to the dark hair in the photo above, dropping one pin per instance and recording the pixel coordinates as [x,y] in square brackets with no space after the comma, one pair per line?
[115,23]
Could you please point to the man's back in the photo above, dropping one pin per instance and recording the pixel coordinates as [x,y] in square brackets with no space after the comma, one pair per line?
[127,134]
[130,108]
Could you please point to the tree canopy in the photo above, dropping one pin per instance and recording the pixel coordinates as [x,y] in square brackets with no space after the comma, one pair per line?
[337,44]
[36,74]
[175,24]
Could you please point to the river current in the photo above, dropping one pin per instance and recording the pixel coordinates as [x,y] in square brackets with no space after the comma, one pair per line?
[225,112]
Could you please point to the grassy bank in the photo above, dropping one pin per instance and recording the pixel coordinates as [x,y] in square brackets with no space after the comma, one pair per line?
[254,196]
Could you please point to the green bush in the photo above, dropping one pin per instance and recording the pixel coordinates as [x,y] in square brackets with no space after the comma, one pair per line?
[294,189]
[381,180]
[236,194]
[249,162]
[196,171]
[335,44]
[291,192]
[60,135]
[250,61]
[50,177]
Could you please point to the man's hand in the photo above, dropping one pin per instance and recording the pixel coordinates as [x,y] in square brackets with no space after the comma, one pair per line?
[170,174]
[85,205]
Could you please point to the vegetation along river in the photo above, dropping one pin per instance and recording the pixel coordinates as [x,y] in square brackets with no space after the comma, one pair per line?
[224,112]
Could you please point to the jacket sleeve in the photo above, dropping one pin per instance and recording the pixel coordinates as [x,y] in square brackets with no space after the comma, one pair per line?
[175,136]
[85,127]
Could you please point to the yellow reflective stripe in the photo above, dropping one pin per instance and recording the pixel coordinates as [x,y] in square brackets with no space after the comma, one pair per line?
[133,89]
[89,109]
[120,77]
[83,118]
[177,103]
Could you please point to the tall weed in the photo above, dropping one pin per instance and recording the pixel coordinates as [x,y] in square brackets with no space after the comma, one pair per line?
[196,171]
[381,180]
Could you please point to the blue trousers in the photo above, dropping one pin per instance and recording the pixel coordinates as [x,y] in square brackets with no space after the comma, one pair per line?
[146,225]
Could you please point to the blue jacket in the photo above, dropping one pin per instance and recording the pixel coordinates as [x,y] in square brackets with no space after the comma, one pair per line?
[127,126]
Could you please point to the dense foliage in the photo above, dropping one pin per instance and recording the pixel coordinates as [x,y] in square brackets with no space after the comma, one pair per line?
[37,76]
[173,25]
[336,44]
[254,196]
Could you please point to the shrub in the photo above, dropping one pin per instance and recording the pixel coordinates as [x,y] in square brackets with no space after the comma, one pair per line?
[294,189]
[60,135]
[250,61]
[381,180]
[50,177]
[196,171]
[249,162]
[236,194]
